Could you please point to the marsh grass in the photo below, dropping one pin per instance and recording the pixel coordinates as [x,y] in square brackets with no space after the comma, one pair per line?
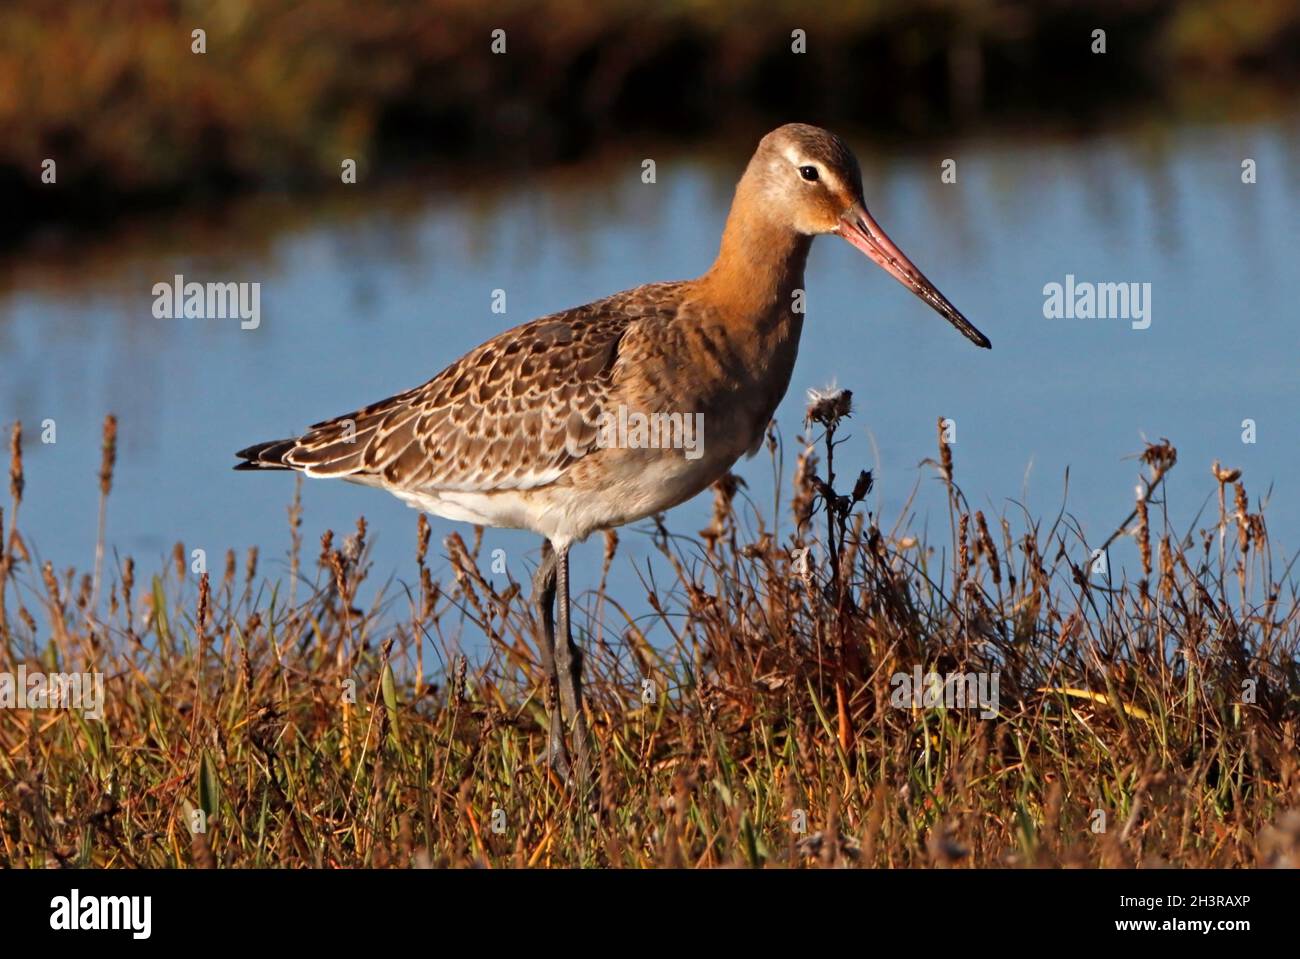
[756,730]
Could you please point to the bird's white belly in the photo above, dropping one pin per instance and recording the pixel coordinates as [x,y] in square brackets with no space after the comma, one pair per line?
[505,510]
[609,489]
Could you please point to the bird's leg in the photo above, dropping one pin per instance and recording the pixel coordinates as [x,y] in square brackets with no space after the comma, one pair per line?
[569,665]
[544,597]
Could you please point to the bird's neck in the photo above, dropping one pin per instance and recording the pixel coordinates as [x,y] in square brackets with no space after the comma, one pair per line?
[758,275]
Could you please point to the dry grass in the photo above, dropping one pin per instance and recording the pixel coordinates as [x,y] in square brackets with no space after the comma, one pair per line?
[771,705]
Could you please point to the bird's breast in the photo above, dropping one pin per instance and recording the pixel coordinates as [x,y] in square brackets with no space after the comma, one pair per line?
[724,379]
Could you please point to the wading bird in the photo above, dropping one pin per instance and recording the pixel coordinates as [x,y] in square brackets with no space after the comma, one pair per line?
[511,434]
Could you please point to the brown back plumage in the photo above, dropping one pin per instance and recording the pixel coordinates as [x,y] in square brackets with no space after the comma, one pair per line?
[513,413]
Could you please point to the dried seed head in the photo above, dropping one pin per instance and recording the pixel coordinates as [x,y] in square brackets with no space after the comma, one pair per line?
[724,491]
[963,547]
[51,582]
[1224,475]
[461,682]
[108,454]
[1143,532]
[986,544]
[1242,505]
[339,568]
[862,488]
[945,453]
[422,533]
[429,593]
[805,488]
[16,482]
[354,545]
[204,591]
[1160,456]
[828,406]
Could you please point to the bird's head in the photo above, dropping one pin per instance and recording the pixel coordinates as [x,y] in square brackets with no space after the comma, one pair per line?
[809,178]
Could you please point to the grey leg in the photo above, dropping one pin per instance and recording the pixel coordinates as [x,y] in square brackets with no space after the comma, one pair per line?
[544,597]
[569,666]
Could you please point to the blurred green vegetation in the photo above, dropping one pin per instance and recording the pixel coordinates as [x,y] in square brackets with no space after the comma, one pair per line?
[111,90]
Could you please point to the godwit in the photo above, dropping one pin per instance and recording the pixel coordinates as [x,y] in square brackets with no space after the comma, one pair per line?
[515,433]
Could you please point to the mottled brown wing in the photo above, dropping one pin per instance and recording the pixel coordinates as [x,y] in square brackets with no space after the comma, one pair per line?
[513,413]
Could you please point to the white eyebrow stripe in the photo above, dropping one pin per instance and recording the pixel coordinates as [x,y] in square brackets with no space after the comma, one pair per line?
[799,160]
[826,175]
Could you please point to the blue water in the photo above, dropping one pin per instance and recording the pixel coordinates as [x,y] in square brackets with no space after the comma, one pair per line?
[361,300]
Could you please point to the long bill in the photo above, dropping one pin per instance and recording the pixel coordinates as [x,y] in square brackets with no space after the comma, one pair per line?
[863,232]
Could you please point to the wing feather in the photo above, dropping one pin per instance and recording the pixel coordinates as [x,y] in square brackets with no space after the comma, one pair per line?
[513,413]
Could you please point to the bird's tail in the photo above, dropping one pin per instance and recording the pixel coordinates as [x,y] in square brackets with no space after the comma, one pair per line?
[266,456]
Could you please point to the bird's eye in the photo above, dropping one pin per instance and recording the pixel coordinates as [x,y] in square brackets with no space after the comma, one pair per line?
[809,173]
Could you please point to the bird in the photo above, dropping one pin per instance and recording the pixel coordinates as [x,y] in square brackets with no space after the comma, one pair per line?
[521,431]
